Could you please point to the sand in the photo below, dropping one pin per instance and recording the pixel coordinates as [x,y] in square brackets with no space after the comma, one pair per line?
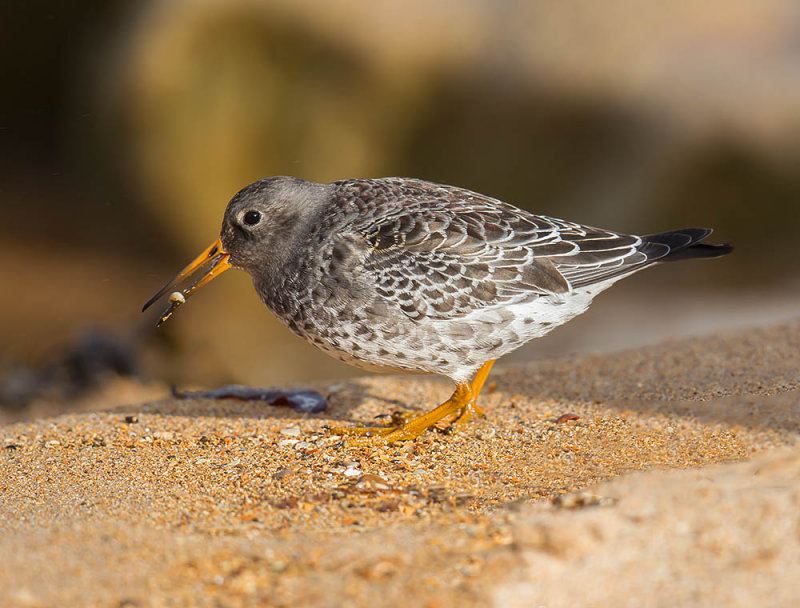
[227,503]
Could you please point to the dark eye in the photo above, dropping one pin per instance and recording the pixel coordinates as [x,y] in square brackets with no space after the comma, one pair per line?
[251,218]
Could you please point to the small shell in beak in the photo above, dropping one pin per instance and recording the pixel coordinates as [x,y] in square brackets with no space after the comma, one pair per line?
[209,264]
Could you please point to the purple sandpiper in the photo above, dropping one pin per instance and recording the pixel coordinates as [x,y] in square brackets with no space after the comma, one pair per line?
[400,274]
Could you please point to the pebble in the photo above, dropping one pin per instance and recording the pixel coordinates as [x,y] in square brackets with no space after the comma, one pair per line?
[353,472]
[288,442]
[484,434]
[372,482]
[291,431]
[278,475]
[579,500]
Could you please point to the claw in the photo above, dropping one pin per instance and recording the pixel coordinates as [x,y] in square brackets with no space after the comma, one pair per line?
[461,407]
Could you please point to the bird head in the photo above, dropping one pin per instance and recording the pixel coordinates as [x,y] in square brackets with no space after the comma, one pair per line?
[258,225]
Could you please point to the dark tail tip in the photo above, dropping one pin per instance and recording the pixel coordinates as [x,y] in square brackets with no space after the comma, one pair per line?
[685,244]
[700,250]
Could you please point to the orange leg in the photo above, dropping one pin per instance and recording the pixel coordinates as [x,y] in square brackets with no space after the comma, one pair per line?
[462,404]
[471,409]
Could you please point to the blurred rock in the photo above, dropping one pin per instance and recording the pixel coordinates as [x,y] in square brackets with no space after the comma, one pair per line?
[93,359]
[128,126]
[724,536]
[624,114]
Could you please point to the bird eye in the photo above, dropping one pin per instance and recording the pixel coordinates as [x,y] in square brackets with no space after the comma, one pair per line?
[251,218]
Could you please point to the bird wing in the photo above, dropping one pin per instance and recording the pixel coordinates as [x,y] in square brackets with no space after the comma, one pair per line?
[442,252]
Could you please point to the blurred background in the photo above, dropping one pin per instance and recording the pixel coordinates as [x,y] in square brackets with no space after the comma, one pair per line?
[125,127]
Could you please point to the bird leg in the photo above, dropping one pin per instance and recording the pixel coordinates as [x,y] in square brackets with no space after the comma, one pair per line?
[415,427]
[462,404]
[471,409]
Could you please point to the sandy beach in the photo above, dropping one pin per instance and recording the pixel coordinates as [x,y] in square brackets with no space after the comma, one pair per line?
[666,475]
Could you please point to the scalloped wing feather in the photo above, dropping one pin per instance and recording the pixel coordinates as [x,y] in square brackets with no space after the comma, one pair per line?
[443,252]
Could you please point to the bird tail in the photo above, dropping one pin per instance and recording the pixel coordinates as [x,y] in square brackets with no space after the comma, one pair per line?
[682,244]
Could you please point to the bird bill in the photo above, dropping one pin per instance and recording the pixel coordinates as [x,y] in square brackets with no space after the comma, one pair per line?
[209,264]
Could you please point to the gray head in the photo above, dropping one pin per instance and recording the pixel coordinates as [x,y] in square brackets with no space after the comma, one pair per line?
[258,228]
[262,219]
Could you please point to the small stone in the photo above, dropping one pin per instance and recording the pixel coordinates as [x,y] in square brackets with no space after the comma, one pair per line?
[303,445]
[410,448]
[388,506]
[463,499]
[291,431]
[371,482]
[566,418]
[352,472]
[581,500]
[286,442]
[379,570]
[485,434]
[278,475]
[166,435]
[436,493]
[131,419]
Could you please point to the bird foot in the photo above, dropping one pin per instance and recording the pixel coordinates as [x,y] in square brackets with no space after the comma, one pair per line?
[460,408]
[461,405]
[362,431]
[373,436]
[400,429]
[467,413]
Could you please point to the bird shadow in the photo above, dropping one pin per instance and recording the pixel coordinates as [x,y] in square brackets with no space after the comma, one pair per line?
[334,402]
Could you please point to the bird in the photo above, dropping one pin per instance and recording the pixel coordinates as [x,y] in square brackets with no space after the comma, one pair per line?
[405,275]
